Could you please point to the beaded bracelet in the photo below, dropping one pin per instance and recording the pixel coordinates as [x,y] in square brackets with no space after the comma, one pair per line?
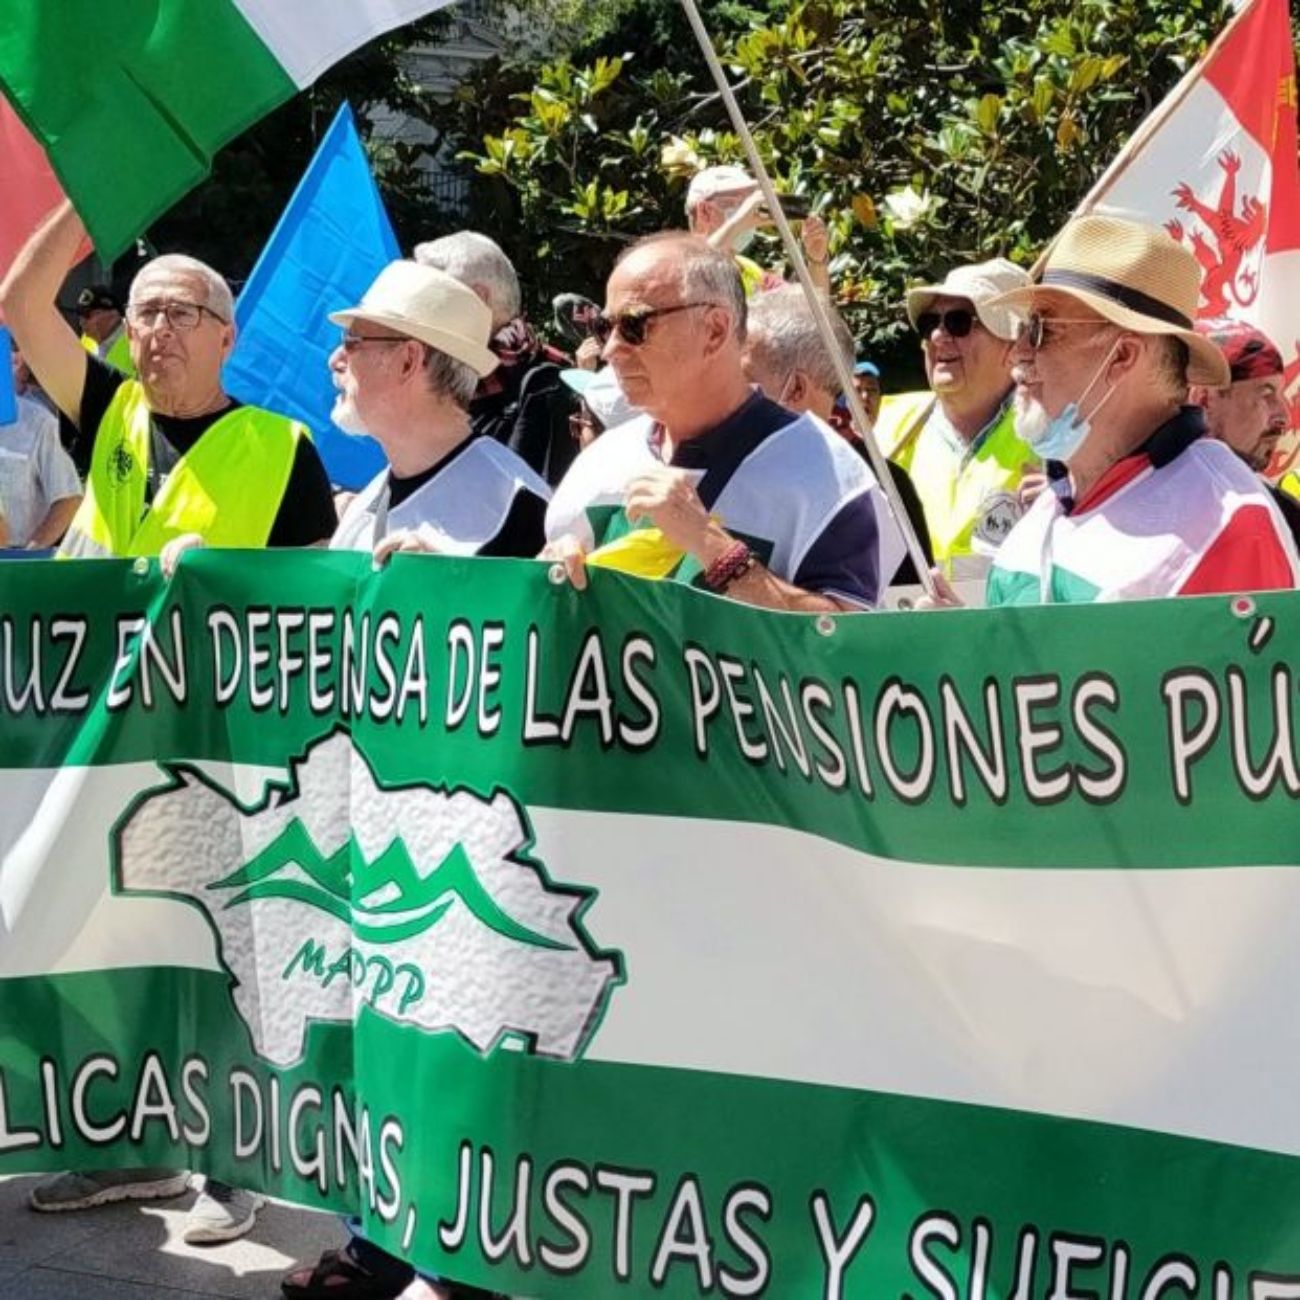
[733,563]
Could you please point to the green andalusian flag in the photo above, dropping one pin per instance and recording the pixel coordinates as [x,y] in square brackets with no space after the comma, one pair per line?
[131,101]
[633,941]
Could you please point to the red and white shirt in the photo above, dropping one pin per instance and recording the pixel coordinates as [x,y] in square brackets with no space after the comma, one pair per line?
[1181,517]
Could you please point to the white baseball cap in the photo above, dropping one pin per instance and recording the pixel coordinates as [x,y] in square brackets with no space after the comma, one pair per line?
[980,283]
[430,306]
[712,181]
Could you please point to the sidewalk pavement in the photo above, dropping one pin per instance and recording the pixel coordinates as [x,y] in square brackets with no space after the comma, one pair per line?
[134,1251]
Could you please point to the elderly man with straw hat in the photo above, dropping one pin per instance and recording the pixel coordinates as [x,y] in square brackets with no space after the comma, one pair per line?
[1140,503]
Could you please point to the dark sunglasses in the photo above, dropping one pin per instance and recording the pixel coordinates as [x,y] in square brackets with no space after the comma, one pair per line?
[958,321]
[632,326]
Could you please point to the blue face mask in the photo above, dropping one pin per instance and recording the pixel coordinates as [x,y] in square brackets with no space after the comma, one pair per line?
[1068,430]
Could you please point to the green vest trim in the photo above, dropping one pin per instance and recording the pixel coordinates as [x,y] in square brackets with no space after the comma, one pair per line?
[227,487]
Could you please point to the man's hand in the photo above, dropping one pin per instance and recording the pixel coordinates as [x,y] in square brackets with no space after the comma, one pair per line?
[424,540]
[750,215]
[1033,482]
[175,549]
[816,240]
[944,596]
[668,499]
[569,552]
[587,356]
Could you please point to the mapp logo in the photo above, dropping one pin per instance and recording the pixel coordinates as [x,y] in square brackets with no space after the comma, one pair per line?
[336,892]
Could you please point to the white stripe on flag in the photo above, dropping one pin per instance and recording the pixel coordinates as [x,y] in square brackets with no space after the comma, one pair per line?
[308,36]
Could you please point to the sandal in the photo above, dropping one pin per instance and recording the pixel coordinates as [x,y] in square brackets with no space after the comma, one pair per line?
[337,1276]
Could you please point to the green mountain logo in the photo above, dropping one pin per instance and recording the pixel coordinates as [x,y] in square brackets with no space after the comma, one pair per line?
[342,883]
[330,892]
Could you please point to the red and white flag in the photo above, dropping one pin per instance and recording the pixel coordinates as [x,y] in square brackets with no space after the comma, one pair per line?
[29,190]
[1216,165]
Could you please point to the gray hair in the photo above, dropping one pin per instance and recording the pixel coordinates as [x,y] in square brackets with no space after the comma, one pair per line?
[1172,359]
[708,274]
[218,298]
[479,262]
[450,378]
[783,328]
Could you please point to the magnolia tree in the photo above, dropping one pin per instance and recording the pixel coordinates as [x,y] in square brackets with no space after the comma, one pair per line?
[926,132]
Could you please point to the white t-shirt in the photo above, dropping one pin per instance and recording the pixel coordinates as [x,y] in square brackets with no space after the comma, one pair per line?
[789,486]
[481,499]
[35,471]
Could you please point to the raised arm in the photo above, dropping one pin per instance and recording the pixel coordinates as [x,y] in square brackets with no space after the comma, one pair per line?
[28,300]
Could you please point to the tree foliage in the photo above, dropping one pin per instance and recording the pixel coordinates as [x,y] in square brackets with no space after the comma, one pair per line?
[927,132]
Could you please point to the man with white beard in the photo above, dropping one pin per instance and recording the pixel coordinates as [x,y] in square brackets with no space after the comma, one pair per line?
[408,363]
[1140,503]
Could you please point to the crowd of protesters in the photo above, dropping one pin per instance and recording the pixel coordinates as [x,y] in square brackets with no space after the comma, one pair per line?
[1080,438]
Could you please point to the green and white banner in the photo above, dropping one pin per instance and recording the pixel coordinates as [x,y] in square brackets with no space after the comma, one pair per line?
[632,941]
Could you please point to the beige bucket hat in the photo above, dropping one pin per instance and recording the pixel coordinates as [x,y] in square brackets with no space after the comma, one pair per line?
[981,284]
[1134,275]
[430,306]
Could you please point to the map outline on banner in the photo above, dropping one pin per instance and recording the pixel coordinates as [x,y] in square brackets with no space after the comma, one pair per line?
[359,959]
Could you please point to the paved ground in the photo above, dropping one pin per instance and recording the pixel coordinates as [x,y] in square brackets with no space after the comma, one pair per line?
[135,1252]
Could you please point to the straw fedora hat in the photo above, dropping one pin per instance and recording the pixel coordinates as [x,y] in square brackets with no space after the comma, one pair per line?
[983,285]
[431,307]
[1134,275]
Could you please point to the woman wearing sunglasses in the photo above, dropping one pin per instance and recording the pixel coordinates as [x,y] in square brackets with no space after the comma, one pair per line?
[715,484]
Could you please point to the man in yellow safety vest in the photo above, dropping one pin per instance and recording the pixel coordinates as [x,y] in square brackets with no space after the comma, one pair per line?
[958,440]
[170,452]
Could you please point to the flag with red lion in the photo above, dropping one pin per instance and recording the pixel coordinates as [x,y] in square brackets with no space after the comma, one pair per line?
[1215,164]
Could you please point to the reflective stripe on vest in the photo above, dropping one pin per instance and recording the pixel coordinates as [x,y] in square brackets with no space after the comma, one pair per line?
[227,487]
[971,503]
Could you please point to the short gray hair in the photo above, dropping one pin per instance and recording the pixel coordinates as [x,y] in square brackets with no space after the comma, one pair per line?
[218,300]
[450,378]
[1172,359]
[783,328]
[477,261]
[708,274]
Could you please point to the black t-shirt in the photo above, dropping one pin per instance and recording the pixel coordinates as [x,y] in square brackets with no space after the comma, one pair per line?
[306,515]
[523,530]
[1290,509]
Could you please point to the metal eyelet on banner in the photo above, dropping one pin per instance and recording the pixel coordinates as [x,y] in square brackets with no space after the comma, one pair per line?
[825,625]
[141,566]
[557,574]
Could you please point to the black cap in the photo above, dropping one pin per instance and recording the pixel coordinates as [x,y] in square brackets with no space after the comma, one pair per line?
[97,297]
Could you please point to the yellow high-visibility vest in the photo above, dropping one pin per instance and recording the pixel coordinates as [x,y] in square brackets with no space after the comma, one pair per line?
[969,494]
[227,487]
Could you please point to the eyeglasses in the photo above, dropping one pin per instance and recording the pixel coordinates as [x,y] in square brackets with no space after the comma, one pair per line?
[182,316]
[957,321]
[631,326]
[1036,330]
[351,342]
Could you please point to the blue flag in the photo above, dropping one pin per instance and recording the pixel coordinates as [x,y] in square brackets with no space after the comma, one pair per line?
[331,242]
[8,402]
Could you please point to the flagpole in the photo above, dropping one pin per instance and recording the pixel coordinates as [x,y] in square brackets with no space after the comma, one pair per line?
[820,307]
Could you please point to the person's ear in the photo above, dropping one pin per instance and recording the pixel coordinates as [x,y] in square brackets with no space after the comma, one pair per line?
[227,339]
[718,329]
[799,387]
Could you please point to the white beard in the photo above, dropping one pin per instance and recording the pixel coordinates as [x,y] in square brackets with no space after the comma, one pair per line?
[1031,420]
[346,417]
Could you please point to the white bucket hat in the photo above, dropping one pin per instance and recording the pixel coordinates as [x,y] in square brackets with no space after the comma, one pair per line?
[980,283]
[431,307]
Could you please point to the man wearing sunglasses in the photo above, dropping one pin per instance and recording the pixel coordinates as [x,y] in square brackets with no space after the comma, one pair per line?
[958,440]
[715,484]
[167,453]
[1142,504]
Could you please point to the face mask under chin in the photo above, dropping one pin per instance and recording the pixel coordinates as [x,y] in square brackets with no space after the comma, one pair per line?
[1059,437]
